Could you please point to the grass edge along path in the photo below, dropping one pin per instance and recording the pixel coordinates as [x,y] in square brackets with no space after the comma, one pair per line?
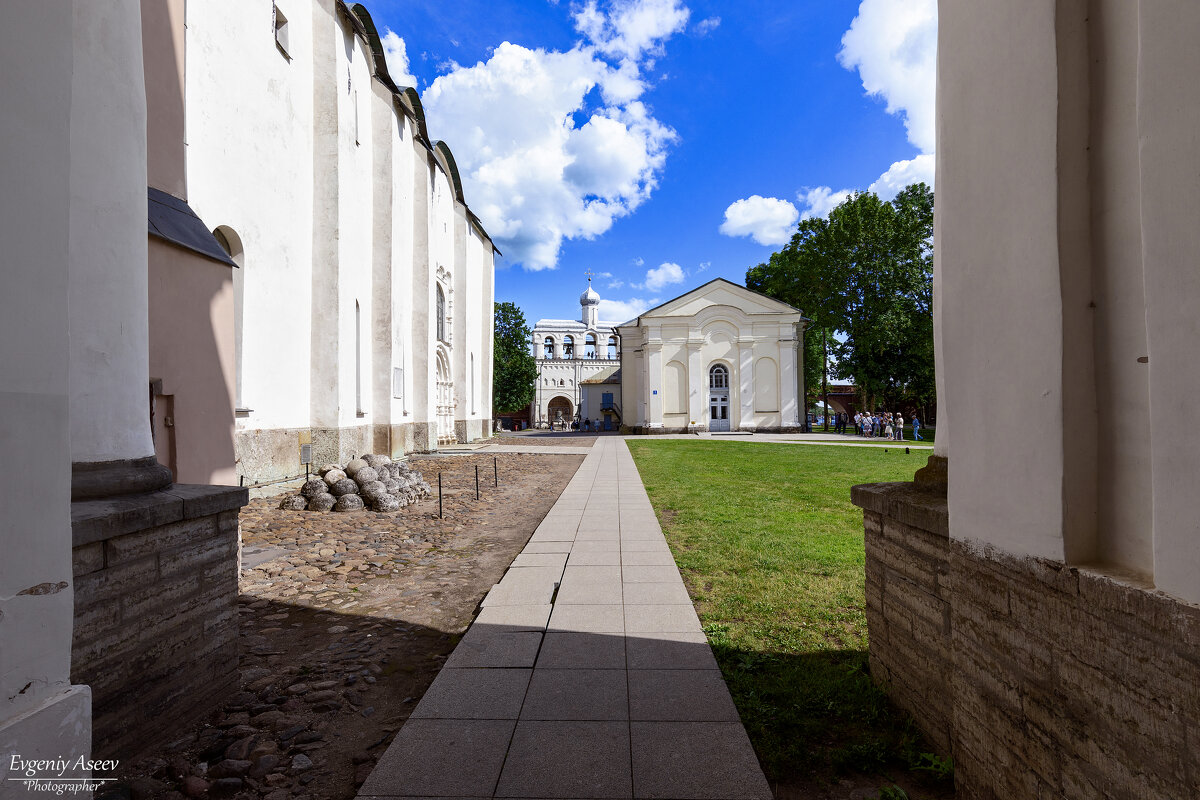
[772,553]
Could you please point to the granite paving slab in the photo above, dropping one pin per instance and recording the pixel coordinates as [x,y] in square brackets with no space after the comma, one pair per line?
[586,674]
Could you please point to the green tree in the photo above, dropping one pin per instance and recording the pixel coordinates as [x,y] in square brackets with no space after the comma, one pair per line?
[514,371]
[866,272]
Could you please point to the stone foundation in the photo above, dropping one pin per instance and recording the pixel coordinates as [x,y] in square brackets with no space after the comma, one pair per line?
[1040,679]
[156,585]
[270,454]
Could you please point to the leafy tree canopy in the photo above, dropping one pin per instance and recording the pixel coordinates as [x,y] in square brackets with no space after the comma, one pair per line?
[514,369]
[866,272]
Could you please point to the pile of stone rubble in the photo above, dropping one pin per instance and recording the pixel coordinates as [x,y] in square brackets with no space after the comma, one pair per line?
[374,482]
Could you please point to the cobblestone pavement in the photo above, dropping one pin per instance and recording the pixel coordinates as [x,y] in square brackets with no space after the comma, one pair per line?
[346,618]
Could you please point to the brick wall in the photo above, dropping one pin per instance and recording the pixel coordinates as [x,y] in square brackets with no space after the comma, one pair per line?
[155,611]
[1059,681]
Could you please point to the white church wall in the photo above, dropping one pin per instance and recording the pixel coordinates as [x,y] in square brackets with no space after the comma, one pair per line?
[384,325]
[42,716]
[404,331]
[1094,319]
[375,214]
[462,320]
[1007,104]
[108,345]
[480,259]
[354,238]
[239,181]
[1168,99]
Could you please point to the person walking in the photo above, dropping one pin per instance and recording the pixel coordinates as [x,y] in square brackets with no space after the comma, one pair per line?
[917,430]
[899,427]
[887,426]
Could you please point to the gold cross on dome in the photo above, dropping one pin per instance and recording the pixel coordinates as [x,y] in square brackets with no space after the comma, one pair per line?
[589,274]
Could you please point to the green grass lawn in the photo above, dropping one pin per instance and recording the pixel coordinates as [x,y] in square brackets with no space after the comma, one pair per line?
[772,552]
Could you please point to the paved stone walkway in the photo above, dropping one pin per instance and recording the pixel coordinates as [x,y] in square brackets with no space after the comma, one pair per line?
[585,675]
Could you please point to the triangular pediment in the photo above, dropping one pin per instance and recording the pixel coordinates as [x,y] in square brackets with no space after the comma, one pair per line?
[719,292]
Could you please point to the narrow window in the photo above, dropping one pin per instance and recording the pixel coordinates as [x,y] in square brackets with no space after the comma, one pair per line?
[441,315]
[358,404]
[589,346]
[568,347]
[612,347]
[548,347]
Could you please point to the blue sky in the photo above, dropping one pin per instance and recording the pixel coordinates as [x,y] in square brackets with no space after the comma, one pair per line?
[662,143]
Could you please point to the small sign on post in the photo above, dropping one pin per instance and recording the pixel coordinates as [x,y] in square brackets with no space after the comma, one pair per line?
[306,459]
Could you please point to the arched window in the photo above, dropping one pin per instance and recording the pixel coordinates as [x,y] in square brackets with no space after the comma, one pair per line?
[718,377]
[589,346]
[441,315]
[568,347]
[232,245]
[549,347]
[613,352]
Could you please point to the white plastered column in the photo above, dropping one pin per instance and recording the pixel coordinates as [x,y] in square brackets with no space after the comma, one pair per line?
[108,279]
[654,416]
[697,382]
[745,384]
[789,412]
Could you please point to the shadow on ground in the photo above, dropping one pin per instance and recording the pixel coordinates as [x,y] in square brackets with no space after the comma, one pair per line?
[822,728]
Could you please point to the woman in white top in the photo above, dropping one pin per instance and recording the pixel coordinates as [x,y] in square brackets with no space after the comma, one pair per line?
[887,425]
[899,427]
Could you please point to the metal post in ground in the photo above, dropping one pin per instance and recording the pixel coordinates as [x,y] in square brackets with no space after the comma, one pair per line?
[476,481]
[440,515]
[495,471]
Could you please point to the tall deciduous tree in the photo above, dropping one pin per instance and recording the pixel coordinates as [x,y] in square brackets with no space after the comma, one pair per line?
[514,369]
[866,271]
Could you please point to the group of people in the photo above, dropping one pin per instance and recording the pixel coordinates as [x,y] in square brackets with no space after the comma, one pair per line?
[877,425]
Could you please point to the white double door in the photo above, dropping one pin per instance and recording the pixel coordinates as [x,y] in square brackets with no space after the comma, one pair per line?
[718,409]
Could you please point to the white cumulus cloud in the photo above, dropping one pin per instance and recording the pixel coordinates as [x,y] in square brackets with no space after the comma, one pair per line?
[902,174]
[820,201]
[395,53]
[623,310]
[558,145]
[893,45]
[707,25]
[631,29]
[665,274]
[767,220]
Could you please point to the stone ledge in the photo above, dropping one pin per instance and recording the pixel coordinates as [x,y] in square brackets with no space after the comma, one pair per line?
[97,520]
[906,503]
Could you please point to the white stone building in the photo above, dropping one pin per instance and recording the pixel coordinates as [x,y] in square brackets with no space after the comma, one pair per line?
[363,302]
[569,352]
[720,357]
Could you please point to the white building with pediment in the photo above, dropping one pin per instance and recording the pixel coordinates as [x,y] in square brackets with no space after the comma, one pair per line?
[719,358]
[569,352]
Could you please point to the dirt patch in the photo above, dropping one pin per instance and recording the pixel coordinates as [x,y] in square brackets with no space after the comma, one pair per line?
[548,438]
[346,619]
